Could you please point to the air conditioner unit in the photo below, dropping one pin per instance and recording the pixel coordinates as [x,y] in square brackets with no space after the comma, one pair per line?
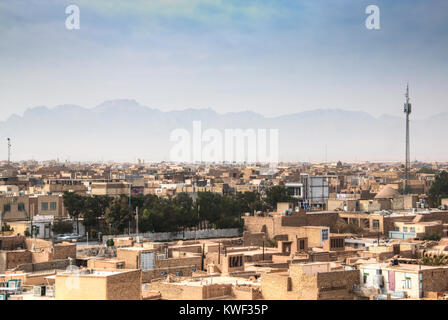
[39,291]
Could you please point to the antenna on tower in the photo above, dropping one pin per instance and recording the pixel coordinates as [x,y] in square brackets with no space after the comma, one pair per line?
[9,151]
[407,111]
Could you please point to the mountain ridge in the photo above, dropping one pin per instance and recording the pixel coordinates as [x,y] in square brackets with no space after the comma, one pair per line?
[123,129]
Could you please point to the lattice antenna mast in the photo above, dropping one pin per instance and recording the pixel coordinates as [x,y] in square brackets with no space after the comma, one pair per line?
[9,152]
[407,111]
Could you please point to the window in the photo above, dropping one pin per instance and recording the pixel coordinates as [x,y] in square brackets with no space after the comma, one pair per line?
[302,244]
[324,234]
[44,206]
[6,207]
[336,243]
[364,277]
[397,228]
[407,281]
[21,206]
[376,224]
[52,206]
[412,229]
[405,229]
[179,273]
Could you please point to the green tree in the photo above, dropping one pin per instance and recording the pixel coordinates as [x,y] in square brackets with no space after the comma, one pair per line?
[75,205]
[95,209]
[230,214]
[432,237]
[427,170]
[7,227]
[163,216]
[249,202]
[60,227]
[435,260]
[439,189]
[208,207]
[187,218]
[276,194]
[119,214]
[110,242]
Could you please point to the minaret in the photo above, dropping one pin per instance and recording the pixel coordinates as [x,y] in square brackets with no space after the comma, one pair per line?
[407,111]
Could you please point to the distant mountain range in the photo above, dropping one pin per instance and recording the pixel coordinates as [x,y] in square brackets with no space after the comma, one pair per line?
[123,130]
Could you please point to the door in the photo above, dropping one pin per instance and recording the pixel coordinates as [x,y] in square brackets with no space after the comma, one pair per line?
[391,280]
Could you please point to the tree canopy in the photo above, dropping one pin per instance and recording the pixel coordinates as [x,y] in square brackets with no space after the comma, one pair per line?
[208,210]
[439,189]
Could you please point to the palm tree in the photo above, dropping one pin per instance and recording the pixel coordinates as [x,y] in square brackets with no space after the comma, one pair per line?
[434,260]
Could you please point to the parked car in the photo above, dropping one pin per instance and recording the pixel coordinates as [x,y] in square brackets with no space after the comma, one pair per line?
[68,237]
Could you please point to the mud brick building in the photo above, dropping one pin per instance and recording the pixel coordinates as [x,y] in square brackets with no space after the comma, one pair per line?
[216,287]
[275,224]
[18,251]
[99,285]
[155,265]
[310,281]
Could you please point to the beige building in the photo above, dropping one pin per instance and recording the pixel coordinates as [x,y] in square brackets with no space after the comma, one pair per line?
[48,205]
[419,229]
[98,285]
[403,280]
[310,281]
[14,208]
[110,188]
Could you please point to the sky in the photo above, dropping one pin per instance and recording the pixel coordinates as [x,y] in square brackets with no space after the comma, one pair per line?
[273,57]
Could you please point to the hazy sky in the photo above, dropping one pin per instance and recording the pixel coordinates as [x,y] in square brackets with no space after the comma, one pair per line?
[269,56]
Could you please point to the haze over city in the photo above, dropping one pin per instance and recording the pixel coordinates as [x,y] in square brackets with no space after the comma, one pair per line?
[206,157]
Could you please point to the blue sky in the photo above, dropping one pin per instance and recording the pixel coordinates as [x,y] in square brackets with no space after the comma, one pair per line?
[269,56]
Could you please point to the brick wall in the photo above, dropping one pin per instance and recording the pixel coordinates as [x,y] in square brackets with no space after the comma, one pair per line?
[435,280]
[12,242]
[131,258]
[276,286]
[16,258]
[253,239]
[150,275]
[64,251]
[124,286]
[42,266]
[177,262]
[176,292]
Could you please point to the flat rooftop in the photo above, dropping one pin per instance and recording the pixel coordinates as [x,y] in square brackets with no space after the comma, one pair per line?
[215,280]
[93,273]
[401,267]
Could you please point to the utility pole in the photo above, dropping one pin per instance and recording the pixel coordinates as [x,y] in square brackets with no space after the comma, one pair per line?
[130,208]
[136,211]
[407,110]
[31,219]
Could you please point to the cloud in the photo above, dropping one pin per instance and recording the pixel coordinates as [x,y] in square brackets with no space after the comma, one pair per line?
[272,56]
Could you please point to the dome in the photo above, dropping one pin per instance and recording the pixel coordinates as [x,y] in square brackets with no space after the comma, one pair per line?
[387,193]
